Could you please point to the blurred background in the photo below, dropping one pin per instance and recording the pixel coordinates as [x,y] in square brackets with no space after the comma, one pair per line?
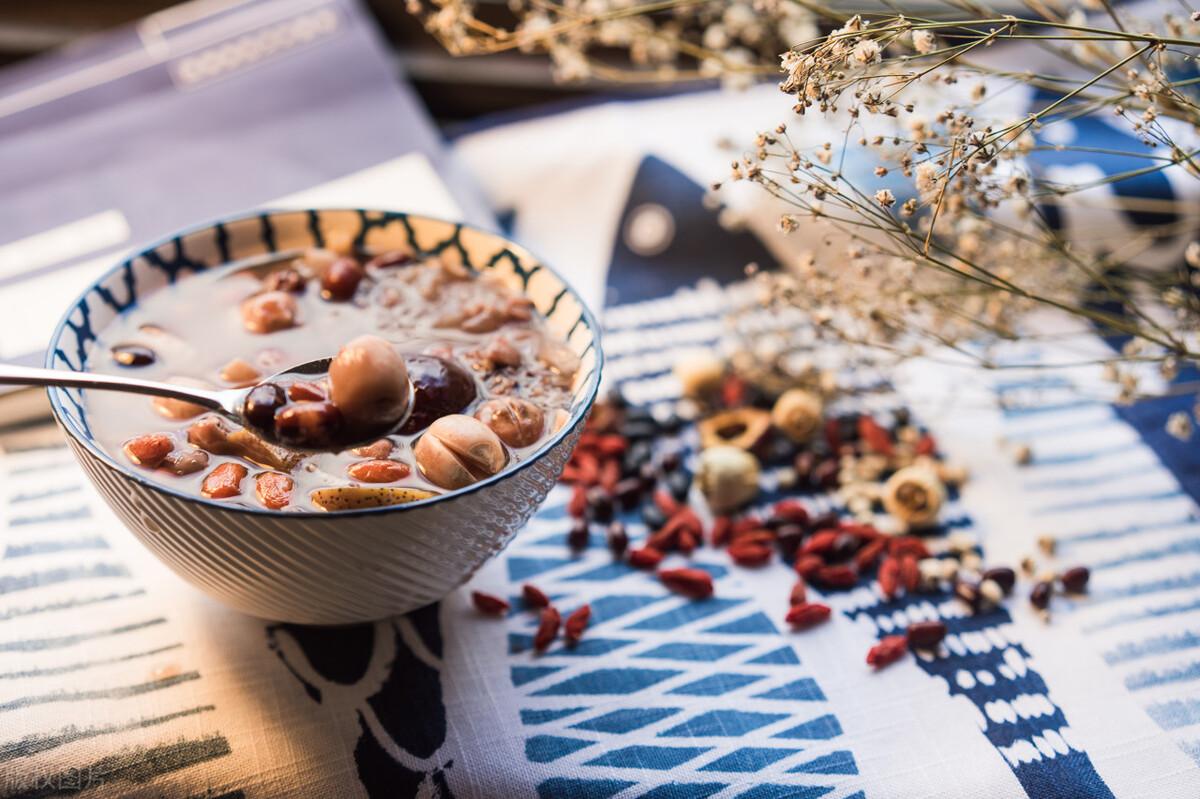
[455,90]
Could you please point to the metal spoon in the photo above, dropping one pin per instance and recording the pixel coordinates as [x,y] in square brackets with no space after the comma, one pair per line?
[228,402]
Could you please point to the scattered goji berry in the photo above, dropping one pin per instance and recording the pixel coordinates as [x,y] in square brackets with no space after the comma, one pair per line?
[808,565]
[666,503]
[889,576]
[577,505]
[547,629]
[799,593]
[926,445]
[489,605]
[819,542]
[745,525]
[576,623]
[888,650]
[869,554]
[925,634]
[695,583]
[791,510]
[722,527]
[686,542]
[908,545]
[645,558]
[761,537]
[534,597]
[876,438]
[612,445]
[749,553]
[910,573]
[807,614]
[610,475]
[837,577]
[149,450]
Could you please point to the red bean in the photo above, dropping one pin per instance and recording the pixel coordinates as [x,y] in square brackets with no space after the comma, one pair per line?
[341,279]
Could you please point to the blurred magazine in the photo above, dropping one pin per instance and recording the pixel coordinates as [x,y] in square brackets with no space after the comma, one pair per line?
[197,111]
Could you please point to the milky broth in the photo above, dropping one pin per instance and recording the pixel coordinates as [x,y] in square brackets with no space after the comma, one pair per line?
[196,327]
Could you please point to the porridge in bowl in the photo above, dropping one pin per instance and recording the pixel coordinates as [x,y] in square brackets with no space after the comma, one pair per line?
[439,378]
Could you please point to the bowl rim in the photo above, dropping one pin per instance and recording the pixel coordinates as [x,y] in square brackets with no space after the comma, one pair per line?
[591,390]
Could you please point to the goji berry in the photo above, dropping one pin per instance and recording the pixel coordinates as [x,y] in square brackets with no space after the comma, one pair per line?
[889,576]
[833,434]
[876,438]
[612,445]
[835,577]
[863,531]
[926,445]
[610,475]
[489,605]
[576,623]
[808,565]
[869,554]
[149,450]
[888,650]
[908,545]
[224,481]
[733,391]
[378,471]
[761,537]
[547,629]
[910,573]
[577,505]
[666,503]
[273,489]
[819,542]
[695,583]
[807,614]
[749,553]
[645,557]
[665,540]
[791,510]
[799,593]
[722,527]
[534,597]
[686,542]
[925,634]
[745,525]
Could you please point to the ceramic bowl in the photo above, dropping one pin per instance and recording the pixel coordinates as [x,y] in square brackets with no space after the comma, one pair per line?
[323,568]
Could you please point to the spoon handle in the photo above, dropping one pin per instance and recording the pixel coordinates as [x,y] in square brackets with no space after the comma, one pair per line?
[13,375]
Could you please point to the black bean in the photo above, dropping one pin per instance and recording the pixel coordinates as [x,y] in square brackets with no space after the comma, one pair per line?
[901,417]
[1039,597]
[789,536]
[679,483]
[825,475]
[600,505]
[844,547]
[579,535]
[670,462]
[824,521]
[648,476]
[652,516]
[261,404]
[638,454]
[618,539]
[1003,576]
[133,355]
[629,493]
[639,430]
[848,428]
[672,424]
[1075,580]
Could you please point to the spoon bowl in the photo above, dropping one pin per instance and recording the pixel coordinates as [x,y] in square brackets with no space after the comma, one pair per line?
[230,403]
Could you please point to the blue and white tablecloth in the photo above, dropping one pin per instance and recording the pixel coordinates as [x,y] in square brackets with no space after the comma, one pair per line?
[118,680]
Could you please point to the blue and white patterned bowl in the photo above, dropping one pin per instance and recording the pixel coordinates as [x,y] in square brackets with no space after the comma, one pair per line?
[323,568]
